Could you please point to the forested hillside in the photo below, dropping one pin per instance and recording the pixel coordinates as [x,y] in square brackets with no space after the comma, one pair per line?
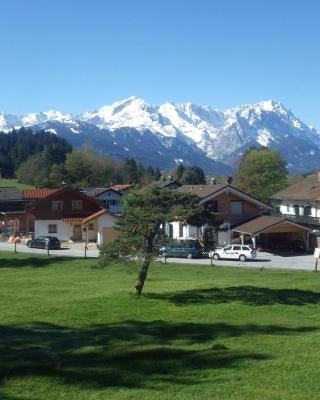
[18,145]
[44,159]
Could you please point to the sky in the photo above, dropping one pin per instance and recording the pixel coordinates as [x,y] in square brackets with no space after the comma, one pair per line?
[78,55]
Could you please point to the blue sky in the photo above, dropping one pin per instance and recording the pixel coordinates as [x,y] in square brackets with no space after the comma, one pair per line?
[77,55]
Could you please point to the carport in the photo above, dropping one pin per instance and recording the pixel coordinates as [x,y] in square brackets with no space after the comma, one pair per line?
[271,231]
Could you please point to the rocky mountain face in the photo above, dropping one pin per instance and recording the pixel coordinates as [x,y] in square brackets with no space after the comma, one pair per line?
[168,134]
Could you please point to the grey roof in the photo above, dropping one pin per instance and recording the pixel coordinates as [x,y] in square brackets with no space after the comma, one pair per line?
[306,189]
[10,194]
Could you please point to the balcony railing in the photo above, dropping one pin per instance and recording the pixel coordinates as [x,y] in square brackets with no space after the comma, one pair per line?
[300,219]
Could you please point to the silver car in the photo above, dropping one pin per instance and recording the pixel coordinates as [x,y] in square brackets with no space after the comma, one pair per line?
[234,252]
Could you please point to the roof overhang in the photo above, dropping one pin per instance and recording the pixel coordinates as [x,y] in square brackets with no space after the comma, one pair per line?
[230,189]
[99,214]
[269,228]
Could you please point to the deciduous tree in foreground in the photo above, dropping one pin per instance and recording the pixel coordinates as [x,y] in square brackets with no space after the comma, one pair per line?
[146,211]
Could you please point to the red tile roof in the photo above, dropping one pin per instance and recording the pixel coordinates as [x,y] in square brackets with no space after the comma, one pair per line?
[34,194]
[118,188]
[97,214]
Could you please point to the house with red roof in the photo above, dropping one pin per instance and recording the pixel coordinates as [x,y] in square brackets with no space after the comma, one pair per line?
[104,223]
[62,213]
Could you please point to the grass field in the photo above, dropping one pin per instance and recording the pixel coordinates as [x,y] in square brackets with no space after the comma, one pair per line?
[13,183]
[69,331]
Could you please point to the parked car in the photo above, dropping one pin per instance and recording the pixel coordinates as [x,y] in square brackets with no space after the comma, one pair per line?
[183,248]
[45,242]
[234,252]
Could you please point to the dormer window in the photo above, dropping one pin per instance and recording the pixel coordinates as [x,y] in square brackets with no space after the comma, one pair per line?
[57,205]
[76,205]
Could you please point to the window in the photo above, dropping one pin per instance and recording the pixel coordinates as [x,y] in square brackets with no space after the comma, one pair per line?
[170,231]
[236,207]
[296,210]
[214,205]
[76,204]
[91,227]
[112,202]
[236,248]
[52,228]
[288,208]
[181,230]
[57,205]
[307,211]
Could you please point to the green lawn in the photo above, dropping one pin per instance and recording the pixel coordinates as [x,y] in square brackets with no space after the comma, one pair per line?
[70,331]
[13,183]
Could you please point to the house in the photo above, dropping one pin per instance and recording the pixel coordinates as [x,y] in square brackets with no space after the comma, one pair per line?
[103,223]
[231,205]
[30,197]
[62,212]
[110,198]
[300,202]
[243,219]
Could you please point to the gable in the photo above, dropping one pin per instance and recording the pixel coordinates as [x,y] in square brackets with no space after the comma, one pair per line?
[67,196]
[229,193]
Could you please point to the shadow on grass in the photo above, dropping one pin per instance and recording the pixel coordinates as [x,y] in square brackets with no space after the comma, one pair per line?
[31,261]
[131,354]
[251,295]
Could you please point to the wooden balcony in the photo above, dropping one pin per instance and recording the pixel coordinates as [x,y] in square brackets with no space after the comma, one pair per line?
[301,219]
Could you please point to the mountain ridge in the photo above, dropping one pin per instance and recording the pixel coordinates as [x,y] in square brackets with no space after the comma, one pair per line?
[215,139]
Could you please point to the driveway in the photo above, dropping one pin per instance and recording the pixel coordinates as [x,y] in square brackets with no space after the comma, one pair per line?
[67,249]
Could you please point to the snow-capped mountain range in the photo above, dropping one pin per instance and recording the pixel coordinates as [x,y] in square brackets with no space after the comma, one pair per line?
[167,134]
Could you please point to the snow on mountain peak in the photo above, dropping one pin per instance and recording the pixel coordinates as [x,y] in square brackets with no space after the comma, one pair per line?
[221,135]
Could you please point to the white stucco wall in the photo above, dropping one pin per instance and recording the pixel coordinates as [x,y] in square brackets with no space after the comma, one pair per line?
[315,208]
[41,228]
[187,231]
[104,221]
[92,234]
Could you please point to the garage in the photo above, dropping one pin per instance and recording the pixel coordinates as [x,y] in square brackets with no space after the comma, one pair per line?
[105,225]
[109,235]
[276,234]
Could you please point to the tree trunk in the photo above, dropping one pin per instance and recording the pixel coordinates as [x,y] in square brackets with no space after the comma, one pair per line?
[145,265]
[142,275]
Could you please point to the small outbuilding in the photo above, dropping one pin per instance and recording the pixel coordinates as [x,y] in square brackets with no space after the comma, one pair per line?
[274,233]
[103,223]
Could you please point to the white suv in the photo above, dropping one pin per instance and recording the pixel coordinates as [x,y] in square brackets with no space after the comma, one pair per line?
[233,252]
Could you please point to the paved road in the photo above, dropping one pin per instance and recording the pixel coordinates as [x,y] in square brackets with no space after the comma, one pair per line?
[265,260]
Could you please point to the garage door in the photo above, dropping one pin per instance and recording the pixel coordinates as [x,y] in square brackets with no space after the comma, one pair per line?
[109,234]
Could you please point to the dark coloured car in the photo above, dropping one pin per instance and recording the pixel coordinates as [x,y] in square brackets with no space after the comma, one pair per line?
[45,242]
[183,248]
